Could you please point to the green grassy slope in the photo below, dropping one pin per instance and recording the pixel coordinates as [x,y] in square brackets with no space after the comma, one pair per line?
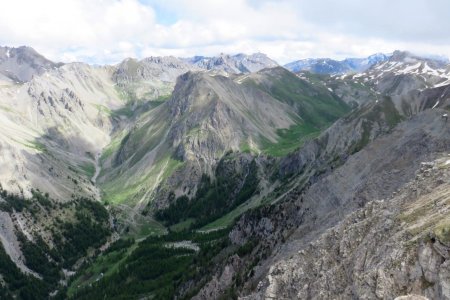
[317,107]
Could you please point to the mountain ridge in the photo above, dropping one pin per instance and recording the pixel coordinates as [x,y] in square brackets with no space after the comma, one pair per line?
[223,171]
[22,63]
[331,66]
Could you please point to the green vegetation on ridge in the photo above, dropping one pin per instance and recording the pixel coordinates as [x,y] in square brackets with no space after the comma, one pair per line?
[290,139]
[316,106]
[315,109]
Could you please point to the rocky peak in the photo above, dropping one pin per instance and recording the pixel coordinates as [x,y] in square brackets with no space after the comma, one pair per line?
[401,56]
[22,63]
[406,57]
[235,64]
[166,69]
[362,64]
[405,72]
[186,91]
[209,115]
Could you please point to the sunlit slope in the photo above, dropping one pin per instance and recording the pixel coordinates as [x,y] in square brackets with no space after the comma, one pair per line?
[270,112]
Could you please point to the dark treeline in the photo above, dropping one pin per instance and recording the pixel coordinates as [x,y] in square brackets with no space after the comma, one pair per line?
[157,270]
[214,198]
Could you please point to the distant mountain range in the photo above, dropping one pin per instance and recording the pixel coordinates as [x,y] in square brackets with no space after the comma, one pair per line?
[331,66]
[20,64]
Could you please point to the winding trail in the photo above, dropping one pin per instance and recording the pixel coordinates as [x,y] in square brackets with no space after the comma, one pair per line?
[98,168]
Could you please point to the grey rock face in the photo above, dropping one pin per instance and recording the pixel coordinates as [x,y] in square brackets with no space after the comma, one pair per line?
[21,64]
[165,69]
[411,297]
[218,108]
[234,64]
[214,288]
[149,78]
[389,248]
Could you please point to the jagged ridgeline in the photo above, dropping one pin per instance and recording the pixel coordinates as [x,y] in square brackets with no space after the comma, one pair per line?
[210,177]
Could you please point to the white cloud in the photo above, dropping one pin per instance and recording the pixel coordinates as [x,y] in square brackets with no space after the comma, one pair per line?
[106,31]
[76,28]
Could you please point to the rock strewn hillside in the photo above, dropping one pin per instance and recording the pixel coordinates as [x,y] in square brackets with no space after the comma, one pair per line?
[390,248]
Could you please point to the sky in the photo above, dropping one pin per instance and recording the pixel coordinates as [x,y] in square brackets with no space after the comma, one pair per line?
[107,31]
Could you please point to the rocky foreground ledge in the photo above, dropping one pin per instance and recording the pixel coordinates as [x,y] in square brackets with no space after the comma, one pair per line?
[396,248]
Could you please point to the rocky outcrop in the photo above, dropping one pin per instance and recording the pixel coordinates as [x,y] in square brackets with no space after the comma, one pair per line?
[218,284]
[390,248]
[9,241]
